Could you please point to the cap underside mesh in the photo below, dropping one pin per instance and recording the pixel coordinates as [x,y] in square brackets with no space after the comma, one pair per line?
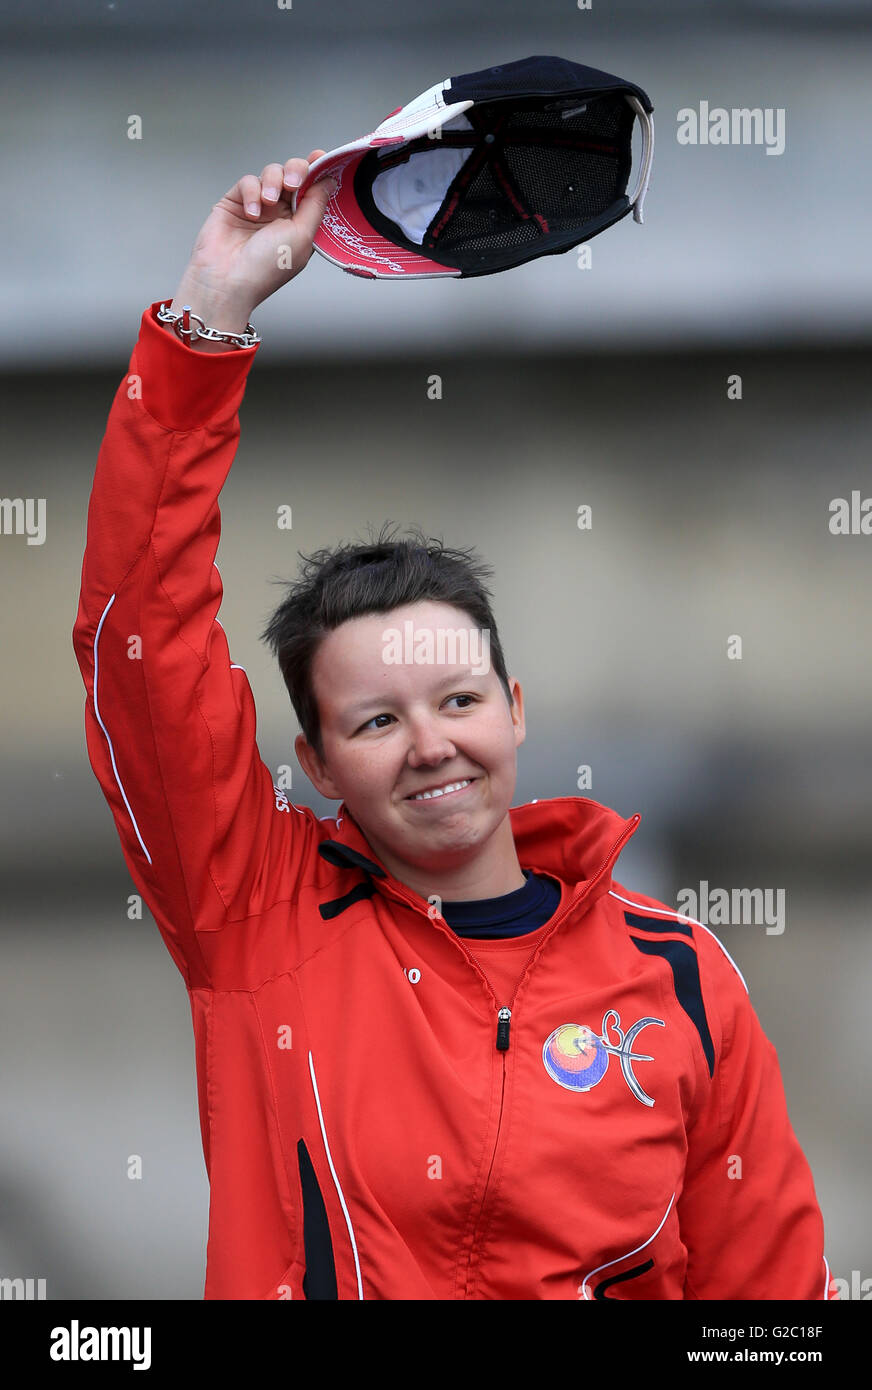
[509,176]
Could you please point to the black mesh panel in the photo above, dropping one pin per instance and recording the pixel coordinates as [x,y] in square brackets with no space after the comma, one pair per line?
[484,212]
[561,173]
[569,189]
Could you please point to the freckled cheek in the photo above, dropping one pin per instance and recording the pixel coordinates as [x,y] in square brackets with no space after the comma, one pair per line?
[494,745]
[372,776]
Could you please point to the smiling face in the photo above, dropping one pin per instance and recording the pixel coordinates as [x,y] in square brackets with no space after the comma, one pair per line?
[394,729]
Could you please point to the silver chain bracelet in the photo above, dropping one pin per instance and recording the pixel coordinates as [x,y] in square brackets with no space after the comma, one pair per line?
[182,326]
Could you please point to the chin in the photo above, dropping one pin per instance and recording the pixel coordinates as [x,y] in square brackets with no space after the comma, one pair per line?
[460,832]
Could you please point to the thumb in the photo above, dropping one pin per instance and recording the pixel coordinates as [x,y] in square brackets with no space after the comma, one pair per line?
[311,208]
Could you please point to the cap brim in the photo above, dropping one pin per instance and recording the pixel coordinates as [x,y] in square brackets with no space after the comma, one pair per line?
[346,238]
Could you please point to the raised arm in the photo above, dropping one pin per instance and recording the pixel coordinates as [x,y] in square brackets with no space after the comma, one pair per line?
[170,720]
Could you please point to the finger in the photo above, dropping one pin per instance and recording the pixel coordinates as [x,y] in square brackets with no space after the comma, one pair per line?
[316,154]
[249,194]
[312,207]
[295,171]
[271,183]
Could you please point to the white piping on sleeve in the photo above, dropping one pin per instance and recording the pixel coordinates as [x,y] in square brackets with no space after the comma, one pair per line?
[826,1280]
[682,917]
[629,1252]
[106,731]
[335,1179]
[723,948]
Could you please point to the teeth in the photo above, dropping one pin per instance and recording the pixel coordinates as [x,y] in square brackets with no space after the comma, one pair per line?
[440,791]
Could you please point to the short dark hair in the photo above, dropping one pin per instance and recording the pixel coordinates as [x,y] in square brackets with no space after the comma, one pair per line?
[371,577]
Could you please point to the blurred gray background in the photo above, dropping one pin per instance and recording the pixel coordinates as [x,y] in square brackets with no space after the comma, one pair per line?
[561,387]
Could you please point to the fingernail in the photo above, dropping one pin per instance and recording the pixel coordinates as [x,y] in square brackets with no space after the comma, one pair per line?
[252,208]
[295,179]
[271,194]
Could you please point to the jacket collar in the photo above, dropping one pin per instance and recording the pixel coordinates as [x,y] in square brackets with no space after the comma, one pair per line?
[571,837]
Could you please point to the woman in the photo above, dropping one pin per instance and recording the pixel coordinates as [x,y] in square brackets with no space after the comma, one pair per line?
[442,1053]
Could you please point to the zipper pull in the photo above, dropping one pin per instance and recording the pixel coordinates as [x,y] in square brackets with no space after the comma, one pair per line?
[503,1017]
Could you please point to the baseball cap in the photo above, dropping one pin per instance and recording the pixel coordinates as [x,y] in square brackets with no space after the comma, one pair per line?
[485,171]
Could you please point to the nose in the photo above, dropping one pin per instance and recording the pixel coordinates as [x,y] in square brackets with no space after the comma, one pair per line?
[429,743]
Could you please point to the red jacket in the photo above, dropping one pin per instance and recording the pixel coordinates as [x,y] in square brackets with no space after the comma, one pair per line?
[364,1134]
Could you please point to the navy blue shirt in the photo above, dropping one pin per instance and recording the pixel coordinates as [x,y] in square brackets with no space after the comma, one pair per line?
[511,914]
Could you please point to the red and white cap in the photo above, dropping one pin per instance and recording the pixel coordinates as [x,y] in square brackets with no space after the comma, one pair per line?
[485,171]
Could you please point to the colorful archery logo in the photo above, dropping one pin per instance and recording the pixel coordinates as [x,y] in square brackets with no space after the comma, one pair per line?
[577,1059]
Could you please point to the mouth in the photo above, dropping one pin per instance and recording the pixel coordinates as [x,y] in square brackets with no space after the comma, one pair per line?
[446,791]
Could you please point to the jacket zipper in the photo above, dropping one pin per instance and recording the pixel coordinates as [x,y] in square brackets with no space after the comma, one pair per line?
[504,1019]
[504,1012]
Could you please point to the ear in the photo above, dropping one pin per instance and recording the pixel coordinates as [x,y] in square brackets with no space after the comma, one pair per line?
[315,769]
[517,711]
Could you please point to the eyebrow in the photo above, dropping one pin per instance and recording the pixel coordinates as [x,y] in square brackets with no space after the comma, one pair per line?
[360,706]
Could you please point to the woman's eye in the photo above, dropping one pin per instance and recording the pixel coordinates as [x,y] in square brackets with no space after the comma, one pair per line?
[375,717]
[370,723]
